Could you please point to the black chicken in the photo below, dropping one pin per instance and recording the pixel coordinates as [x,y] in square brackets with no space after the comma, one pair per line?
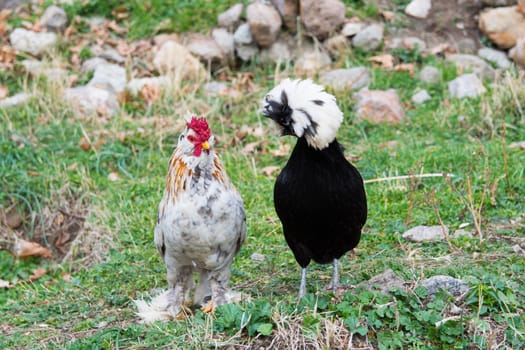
[319,196]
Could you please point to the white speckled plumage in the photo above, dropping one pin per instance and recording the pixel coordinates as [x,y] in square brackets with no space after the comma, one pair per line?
[200,226]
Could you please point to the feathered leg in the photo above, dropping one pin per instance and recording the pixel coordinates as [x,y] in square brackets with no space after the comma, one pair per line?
[302,286]
[218,280]
[203,290]
[180,281]
[335,276]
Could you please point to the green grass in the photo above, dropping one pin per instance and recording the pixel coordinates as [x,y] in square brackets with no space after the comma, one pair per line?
[87,304]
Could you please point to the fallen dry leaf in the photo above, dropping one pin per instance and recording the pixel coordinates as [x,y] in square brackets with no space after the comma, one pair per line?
[386,61]
[251,147]
[408,67]
[113,176]
[23,248]
[282,151]
[7,54]
[521,6]
[151,93]
[519,144]
[436,50]
[269,170]
[4,92]
[4,284]
[388,15]
[37,273]
[84,144]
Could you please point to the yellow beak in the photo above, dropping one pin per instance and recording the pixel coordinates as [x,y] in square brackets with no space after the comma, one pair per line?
[206,145]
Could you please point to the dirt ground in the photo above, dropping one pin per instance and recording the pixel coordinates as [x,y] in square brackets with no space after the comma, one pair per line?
[450,21]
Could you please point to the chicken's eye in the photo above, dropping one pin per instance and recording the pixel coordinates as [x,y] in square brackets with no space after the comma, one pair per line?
[191,138]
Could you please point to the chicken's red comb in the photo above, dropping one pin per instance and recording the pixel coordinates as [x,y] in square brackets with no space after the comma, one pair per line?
[201,128]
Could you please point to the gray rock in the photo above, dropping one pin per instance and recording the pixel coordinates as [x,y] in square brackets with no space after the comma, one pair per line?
[54,19]
[425,233]
[517,53]
[10,4]
[452,285]
[265,23]
[205,48]
[419,8]
[289,10]
[352,28]
[408,43]
[421,97]
[311,62]
[110,54]
[499,58]
[215,87]
[430,75]
[498,3]
[243,35]
[32,42]
[92,63]
[518,249]
[347,79]
[37,68]
[337,45]
[109,76]
[230,18]
[15,100]
[466,85]
[503,25]
[258,257]
[134,86]
[474,64]
[369,38]
[246,52]
[175,59]
[379,106]
[385,281]
[92,99]
[224,40]
[322,18]
[281,50]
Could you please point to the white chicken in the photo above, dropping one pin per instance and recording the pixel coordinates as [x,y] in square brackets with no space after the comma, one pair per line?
[201,223]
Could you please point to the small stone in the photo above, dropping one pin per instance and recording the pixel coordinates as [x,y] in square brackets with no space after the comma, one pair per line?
[258,257]
[15,100]
[347,79]
[452,285]
[408,43]
[311,62]
[322,18]
[419,8]
[32,42]
[205,48]
[517,53]
[503,25]
[230,17]
[174,58]
[215,87]
[337,45]
[224,39]
[518,249]
[385,281]
[379,106]
[265,23]
[352,28]
[92,99]
[54,19]
[466,85]
[369,38]
[109,76]
[111,54]
[430,75]
[134,86]
[289,10]
[246,52]
[425,233]
[421,97]
[499,58]
[455,310]
[461,232]
[243,35]
[92,63]
[474,64]
[280,51]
